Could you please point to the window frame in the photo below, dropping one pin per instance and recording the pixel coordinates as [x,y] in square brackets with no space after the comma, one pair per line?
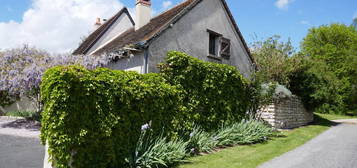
[217,39]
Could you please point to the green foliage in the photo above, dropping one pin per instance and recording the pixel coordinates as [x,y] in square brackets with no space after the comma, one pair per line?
[327,78]
[260,94]
[5,99]
[92,118]
[151,152]
[245,132]
[26,114]
[201,141]
[158,152]
[212,93]
[272,58]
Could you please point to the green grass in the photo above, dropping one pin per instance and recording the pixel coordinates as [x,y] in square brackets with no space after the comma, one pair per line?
[335,117]
[250,156]
[26,114]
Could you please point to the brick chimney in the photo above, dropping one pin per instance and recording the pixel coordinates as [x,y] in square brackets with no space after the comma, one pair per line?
[143,13]
[97,23]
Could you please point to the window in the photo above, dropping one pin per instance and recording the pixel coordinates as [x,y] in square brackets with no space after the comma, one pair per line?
[219,47]
[213,42]
[225,48]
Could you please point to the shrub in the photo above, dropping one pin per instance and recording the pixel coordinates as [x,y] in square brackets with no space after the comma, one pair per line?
[212,93]
[92,117]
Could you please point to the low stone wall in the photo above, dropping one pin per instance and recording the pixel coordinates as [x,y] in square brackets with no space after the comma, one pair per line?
[287,113]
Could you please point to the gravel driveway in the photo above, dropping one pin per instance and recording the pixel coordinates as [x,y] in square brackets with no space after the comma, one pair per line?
[19,144]
[335,148]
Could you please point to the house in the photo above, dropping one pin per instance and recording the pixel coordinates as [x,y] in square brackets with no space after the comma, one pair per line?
[204,29]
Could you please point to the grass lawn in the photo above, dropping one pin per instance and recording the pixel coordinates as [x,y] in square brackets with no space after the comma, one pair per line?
[250,156]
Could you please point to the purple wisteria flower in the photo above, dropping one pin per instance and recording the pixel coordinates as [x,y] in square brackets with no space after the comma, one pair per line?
[21,69]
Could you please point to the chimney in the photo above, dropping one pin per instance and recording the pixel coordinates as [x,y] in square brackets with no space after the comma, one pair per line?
[143,13]
[97,23]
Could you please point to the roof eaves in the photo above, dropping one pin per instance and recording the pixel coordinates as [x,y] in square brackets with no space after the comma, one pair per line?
[238,31]
[112,20]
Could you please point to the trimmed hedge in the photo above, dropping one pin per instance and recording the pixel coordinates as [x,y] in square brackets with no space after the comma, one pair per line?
[212,93]
[93,118]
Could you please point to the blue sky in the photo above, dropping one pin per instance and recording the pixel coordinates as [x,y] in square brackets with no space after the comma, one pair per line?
[263,18]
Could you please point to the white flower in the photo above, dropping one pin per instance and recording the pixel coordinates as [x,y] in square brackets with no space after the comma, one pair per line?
[145,127]
[191,134]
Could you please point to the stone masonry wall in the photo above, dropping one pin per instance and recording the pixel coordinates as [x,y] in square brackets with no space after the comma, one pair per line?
[287,113]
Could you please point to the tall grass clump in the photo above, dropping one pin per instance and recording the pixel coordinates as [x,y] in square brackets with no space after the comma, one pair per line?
[244,132]
[201,141]
[151,152]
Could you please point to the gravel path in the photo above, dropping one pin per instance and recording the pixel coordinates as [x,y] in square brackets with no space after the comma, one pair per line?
[19,144]
[335,148]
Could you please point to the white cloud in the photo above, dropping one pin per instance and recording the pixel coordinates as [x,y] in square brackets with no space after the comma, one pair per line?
[166,4]
[56,25]
[283,4]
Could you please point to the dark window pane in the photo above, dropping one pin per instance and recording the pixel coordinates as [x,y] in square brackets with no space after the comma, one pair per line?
[212,44]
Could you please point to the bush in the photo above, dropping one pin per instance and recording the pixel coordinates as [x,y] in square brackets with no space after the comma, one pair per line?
[212,93]
[92,118]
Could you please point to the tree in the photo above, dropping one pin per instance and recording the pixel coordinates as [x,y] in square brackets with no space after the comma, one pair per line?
[330,76]
[354,23]
[272,57]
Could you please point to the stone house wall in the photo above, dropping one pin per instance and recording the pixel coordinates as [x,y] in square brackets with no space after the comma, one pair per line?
[287,113]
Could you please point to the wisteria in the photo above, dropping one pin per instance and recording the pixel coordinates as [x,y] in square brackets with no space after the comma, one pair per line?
[21,69]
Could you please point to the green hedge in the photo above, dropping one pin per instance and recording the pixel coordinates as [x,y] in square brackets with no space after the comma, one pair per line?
[94,118]
[212,93]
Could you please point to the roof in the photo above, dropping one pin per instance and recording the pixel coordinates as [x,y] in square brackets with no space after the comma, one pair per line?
[148,31]
[159,24]
[95,36]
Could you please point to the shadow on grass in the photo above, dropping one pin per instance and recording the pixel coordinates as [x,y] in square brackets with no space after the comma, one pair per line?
[322,121]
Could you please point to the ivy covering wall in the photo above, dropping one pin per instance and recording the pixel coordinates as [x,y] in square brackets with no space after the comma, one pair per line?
[93,118]
[212,93]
